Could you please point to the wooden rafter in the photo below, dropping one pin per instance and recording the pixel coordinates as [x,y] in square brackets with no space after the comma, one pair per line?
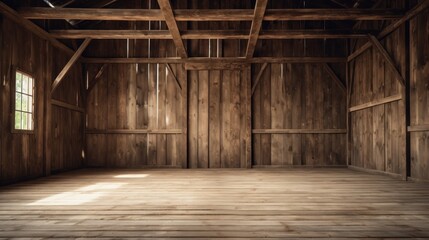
[217,60]
[206,34]
[334,76]
[392,27]
[176,80]
[167,11]
[258,17]
[387,58]
[208,14]
[69,64]
[97,76]
[259,76]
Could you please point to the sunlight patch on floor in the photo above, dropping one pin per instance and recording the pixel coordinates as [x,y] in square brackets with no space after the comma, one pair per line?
[79,196]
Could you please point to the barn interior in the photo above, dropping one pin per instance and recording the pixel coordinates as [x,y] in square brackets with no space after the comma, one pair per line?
[214,119]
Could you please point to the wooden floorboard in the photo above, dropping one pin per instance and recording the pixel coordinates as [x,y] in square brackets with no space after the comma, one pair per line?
[235,204]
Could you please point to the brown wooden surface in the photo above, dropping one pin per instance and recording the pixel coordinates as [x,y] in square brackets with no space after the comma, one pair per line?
[208,14]
[378,133]
[419,96]
[26,155]
[205,204]
[256,26]
[225,60]
[416,10]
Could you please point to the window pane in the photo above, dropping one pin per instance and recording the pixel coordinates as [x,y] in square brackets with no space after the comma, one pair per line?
[17,120]
[24,103]
[18,81]
[30,86]
[18,101]
[24,120]
[30,104]
[24,84]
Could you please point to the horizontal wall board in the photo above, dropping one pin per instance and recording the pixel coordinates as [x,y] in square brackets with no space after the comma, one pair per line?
[376,103]
[299,131]
[134,131]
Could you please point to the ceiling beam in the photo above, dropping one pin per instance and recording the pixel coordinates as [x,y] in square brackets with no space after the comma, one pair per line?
[69,64]
[207,34]
[221,60]
[258,17]
[392,27]
[167,11]
[209,14]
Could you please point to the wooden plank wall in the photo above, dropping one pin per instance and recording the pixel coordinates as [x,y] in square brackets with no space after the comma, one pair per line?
[378,134]
[22,155]
[298,96]
[419,96]
[136,97]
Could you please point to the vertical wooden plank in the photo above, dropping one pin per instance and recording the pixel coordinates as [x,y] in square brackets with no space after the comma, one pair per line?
[193,119]
[203,119]
[235,112]
[183,77]
[329,121]
[246,118]
[265,86]
[172,115]
[277,117]
[214,119]
[296,111]
[308,102]
[378,159]
[48,112]
[225,119]
[152,115]
[161,141]
[142,117]
[287,80]
[256,117]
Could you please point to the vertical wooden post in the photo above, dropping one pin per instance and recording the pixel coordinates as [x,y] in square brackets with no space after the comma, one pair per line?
[183,77]
[248,116]
[48,112]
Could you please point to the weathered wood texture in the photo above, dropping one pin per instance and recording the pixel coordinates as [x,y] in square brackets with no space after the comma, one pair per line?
[419,95]
[23,155]
[378,133]
[137,97]
[215,204]
[298,96]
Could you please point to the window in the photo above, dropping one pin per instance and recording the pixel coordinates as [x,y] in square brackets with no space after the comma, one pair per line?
[24,102]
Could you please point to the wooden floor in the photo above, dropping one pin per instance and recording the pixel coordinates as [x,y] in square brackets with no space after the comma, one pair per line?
[257,203]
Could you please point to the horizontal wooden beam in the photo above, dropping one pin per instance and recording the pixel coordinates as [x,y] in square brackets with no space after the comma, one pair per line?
[374,103]
[214,66]
[218,60]
[299,131]
[68,106]
[15,17]
[208,14]
[207,34]
[133,131]
[392,27]
[419,128]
